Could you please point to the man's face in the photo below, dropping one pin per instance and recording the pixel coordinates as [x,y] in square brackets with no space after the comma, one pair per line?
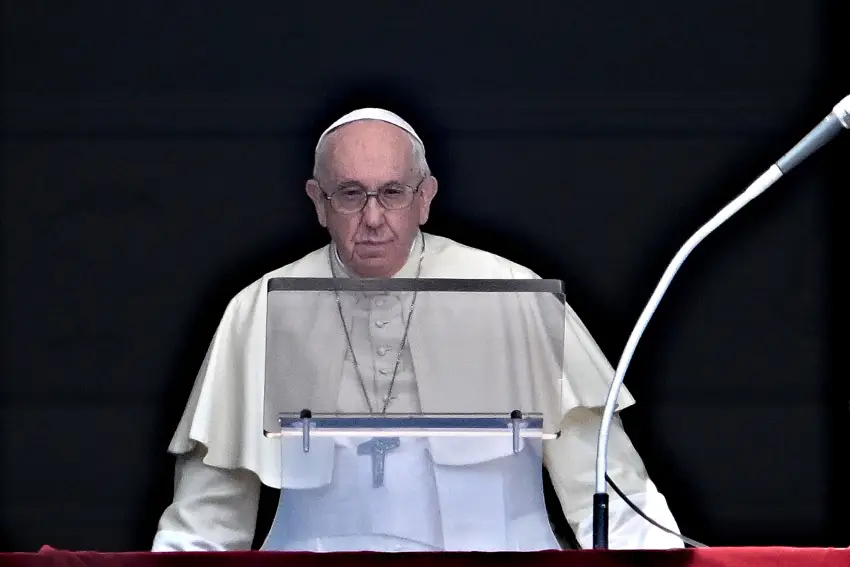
[376,241]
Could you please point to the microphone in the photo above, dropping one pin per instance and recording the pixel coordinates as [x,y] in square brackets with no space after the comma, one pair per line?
[820,135]
[823,133]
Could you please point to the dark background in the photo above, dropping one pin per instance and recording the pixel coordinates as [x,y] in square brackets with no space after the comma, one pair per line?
[153,161]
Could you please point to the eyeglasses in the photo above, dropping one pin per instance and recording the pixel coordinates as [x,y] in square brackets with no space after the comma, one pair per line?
[352,199]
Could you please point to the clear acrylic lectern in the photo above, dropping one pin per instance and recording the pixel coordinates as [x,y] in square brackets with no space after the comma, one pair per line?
[411,414]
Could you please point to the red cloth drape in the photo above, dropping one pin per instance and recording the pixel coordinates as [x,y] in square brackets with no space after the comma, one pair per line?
[715,557]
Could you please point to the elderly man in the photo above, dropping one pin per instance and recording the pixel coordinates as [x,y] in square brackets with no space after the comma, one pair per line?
[372,189]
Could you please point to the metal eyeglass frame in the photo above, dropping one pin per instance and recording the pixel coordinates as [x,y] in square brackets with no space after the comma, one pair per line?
[370,194]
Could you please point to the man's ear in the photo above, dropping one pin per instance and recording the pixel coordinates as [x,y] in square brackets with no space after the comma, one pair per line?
[427,192]
[318,197]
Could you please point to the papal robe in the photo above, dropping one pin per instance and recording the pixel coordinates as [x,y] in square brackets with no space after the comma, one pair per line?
[223,455]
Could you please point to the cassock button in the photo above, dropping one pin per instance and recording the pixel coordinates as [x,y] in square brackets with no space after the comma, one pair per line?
[384,371]
[381,324]
[382,351]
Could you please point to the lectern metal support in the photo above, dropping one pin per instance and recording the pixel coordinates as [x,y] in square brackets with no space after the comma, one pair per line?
[392,426]
[306,417]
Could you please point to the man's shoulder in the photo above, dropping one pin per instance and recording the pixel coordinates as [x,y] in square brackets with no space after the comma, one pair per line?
[474,263]
[309,266]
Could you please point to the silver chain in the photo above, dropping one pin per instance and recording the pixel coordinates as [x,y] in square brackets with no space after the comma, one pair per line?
[401,345]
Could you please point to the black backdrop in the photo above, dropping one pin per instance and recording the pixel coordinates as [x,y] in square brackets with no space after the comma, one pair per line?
[153,161]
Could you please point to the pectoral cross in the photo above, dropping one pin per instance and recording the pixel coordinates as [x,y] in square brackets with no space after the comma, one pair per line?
[378,448]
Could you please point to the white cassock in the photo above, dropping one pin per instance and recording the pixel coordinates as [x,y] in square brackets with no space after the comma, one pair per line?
[223,456]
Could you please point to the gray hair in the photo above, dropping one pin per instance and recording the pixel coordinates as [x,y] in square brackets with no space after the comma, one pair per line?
[420,163]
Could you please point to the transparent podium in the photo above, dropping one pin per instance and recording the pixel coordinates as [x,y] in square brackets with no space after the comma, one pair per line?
[412,414]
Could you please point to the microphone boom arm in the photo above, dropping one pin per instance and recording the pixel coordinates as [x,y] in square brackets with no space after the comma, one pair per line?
[823,133]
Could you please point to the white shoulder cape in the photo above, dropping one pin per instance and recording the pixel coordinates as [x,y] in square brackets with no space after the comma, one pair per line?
[226,408]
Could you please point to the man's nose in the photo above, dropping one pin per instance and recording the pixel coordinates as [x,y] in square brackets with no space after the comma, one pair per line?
[373,213]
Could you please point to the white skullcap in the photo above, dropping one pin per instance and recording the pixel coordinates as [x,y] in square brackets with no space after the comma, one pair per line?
[371,114]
